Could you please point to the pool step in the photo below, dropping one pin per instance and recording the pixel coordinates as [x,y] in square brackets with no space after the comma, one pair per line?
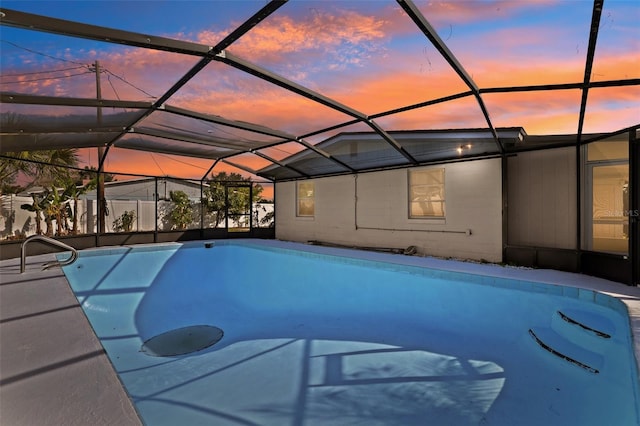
[558,345]
[579,337]
[588,321]
[586,329]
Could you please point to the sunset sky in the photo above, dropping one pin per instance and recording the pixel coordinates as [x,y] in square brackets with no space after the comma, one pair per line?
[365,54]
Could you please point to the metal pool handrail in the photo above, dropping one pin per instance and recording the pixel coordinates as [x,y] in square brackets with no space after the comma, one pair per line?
[52,242]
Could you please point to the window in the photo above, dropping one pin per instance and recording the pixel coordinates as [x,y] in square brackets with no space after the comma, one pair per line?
[306,200]
[426,193]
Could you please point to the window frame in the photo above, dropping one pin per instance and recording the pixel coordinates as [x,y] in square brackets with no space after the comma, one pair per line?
[309,198]
[411,175]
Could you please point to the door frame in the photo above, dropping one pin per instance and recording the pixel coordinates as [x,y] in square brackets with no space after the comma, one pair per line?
[588,203]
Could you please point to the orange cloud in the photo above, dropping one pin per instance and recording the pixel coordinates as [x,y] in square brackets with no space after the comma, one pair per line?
[461,113]
[612,108]
[220,90]
[382,93]
[319,32]
[616,67]
[554,112]
[123,161]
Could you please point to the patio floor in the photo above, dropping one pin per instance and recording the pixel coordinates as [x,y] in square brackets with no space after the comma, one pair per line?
[53,370]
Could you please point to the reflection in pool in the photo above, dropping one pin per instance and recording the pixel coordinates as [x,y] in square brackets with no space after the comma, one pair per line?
[322,336]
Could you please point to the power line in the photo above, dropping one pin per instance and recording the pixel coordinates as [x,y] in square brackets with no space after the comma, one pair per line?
[46,78]
[44,54]
[130,84]
[154,160]
[112,87]
[41,72]
[80,65]
[183,162]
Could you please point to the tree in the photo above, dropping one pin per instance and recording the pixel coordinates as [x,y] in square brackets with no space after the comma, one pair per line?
[182,213]
[44,168]
[268,218]
[124,223]
[37,206]
[91,174]
[55,170]
[11,167]
[38,165]
[214,201]
[26,163]
[73,191]
[217,200]
[56,208]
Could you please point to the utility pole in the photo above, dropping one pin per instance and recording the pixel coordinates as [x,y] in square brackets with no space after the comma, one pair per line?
[102,203]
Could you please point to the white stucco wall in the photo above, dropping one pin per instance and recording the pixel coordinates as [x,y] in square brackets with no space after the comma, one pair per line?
[371,209]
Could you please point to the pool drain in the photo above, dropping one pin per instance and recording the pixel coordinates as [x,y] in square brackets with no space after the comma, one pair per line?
[182,341]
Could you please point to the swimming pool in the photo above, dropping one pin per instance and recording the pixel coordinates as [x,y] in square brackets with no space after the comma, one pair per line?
[319,336]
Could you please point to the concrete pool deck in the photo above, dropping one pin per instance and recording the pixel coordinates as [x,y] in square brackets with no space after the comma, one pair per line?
[53,369]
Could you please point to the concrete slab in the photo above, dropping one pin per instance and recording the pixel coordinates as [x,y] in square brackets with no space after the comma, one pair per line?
[53,370]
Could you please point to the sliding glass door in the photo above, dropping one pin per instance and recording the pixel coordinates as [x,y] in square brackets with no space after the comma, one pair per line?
[607,197]
[608,224]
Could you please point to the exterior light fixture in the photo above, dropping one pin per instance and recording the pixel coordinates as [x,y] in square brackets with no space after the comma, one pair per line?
[461,148]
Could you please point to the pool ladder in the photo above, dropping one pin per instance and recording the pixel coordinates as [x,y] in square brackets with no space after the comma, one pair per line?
[52,242]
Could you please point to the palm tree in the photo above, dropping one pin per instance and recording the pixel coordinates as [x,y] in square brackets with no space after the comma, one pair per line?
[10,167]
[73,191]
[16,163]
[55,208]
[37,206]
[55,169]
[43,167]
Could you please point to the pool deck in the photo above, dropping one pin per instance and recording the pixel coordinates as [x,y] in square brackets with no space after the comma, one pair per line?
[53,369]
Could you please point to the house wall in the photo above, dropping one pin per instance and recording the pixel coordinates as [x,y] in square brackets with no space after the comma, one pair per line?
[371,210]
[542,198]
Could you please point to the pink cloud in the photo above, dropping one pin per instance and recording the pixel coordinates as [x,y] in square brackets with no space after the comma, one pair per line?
[461,113]
[321,32]
[475,11]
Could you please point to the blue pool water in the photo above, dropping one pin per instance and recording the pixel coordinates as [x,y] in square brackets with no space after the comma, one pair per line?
[315,339]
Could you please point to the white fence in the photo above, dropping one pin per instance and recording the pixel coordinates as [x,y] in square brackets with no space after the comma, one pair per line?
[16,222]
